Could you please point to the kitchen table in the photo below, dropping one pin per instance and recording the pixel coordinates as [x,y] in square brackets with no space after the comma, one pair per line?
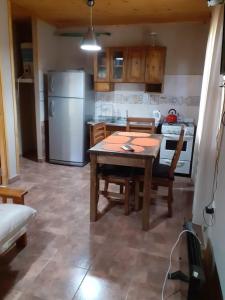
[146,148]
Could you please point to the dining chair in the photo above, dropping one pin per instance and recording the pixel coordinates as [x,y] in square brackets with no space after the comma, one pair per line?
[141,125]
[97,133]
[162,175]
[110,174]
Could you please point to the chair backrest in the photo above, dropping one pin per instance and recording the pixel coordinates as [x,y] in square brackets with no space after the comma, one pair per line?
[98,133]
[141,125]
[177,152]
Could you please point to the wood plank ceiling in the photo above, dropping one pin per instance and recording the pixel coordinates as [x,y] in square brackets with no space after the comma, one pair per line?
[112,12]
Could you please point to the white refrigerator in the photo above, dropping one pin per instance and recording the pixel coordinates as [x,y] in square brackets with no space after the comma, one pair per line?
[70,107]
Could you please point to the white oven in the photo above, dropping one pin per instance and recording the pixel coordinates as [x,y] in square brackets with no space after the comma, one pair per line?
[171,134]
[169,145]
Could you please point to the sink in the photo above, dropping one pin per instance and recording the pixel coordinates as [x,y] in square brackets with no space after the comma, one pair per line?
[112,120]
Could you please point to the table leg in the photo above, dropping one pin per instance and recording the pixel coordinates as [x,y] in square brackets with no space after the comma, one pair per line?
[93,188]
[147,194]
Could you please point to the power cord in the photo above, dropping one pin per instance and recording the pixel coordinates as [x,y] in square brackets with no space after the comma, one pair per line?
[171,254]
[18,86]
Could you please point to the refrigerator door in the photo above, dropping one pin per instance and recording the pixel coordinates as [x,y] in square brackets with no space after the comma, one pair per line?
[66,84]
[66,130]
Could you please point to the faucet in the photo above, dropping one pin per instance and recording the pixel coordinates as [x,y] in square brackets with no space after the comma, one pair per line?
[126,113]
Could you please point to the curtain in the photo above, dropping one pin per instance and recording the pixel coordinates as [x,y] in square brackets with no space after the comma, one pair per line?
[211,102]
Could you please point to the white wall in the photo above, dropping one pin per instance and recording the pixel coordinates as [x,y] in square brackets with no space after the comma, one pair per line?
[48,55]
[216,233]
[48,45]
[7,86]
[180,92]
[185,42]
[207,144]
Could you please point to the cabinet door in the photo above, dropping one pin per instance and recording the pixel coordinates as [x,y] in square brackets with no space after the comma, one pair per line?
[135,71]
[101,66]
[155,65]
[118,63]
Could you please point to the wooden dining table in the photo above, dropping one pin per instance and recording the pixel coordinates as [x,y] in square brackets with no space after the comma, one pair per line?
[146,148]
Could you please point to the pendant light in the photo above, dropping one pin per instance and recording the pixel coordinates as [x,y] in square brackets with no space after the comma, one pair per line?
[89,42]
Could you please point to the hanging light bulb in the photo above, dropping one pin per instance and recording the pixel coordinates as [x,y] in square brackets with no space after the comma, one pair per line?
[89,42]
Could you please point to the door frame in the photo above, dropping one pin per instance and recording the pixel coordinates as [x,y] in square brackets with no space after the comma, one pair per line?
[12,65]
[3,142]
[4,146]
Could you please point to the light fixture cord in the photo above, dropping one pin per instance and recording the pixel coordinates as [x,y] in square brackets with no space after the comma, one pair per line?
[91,18]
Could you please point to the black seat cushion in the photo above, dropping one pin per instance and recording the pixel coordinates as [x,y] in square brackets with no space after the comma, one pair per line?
[158,170]
[162,171]
[117,171]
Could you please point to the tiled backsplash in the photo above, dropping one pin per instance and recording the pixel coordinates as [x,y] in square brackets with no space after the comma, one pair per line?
[180,92]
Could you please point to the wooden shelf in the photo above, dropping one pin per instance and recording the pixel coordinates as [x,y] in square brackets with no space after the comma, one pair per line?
[25,80]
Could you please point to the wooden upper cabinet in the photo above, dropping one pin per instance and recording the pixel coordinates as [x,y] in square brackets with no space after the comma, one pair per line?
[155,65]
[135,69]
[130,64]
[102,66]
[118,64]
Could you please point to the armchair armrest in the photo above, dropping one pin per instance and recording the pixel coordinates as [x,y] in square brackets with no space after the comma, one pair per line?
[17,195]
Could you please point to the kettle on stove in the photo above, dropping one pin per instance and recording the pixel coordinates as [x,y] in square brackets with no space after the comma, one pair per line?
[172,116]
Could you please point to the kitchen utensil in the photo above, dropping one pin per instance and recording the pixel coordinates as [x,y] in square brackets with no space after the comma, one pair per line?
[157,116]
[172,116]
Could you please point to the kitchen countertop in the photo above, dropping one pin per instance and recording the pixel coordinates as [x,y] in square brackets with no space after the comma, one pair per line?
[112,121]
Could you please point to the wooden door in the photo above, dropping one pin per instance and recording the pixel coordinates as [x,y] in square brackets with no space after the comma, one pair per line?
[155,65]
[101,66]
[118,64]
[135,70]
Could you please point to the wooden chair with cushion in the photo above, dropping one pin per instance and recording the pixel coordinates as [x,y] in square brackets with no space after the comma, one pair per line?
[141,125]
[14,218]
[110,174]
[162,175]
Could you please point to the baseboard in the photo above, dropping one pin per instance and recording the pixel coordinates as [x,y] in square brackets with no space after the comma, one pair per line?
[41,160]
[212,286]
[13,179]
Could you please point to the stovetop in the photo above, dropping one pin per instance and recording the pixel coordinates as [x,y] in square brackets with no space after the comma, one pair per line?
[187,124]
[175,128]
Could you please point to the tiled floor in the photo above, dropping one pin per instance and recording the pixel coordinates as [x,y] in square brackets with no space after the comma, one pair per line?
[69,258]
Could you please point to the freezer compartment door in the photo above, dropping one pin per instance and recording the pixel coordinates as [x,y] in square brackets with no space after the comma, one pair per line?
[66,84]
[66,130]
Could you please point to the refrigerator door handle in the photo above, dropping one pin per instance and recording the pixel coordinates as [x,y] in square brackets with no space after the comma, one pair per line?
[51,84]
[51,108]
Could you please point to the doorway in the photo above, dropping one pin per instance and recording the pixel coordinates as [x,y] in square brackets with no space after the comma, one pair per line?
[25,88]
